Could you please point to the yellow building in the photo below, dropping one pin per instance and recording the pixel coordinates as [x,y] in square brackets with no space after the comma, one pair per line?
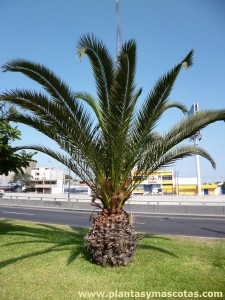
[157,183]
[188,186]
[165,183]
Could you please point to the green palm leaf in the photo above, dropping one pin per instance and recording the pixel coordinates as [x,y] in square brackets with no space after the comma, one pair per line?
[164,158]
[190,125]
[102,65]
[157,100]
[58,90]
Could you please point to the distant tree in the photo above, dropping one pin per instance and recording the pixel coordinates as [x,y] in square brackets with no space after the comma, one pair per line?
[23,180]
[10,160]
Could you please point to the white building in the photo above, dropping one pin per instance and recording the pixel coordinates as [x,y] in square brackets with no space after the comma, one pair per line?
[48,180]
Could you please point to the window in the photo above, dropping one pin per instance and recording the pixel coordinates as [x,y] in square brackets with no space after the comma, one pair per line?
[140,187]
[50,182]
[139,178]
[167,177]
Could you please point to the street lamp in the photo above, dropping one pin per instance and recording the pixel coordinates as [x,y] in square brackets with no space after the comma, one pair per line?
[196,138]
[50,177]
[69,186]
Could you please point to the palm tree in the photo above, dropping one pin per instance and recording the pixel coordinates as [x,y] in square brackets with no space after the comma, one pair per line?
[104,144]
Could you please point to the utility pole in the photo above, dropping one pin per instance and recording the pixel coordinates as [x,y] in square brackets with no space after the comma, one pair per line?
[118,32]
[178,187]
[177,183]
[63,181]
[196,138]
[69,186]
[50,171]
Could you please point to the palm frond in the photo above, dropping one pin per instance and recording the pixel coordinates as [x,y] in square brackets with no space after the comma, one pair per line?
[46,78]
[74,161]
[123,86]
[34,122]
[102,65]
[122,101]
[52,114]
[155,159]
[154,106]
[153,162]
[67,139]
[175,104]
[92,102]
[58,90]
[190,125]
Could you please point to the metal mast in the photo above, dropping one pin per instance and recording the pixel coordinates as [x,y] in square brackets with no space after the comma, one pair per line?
[118,33]
[196,138]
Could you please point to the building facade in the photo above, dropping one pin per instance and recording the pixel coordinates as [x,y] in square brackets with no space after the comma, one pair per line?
[188,186]
[157,183]
[168,183]
[48,180]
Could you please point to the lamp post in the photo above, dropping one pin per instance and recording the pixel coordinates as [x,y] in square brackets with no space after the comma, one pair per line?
[196,138]
[50,170]
[69,186]
[63,181]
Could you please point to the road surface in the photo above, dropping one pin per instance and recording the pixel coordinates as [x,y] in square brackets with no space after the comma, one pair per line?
[155,224]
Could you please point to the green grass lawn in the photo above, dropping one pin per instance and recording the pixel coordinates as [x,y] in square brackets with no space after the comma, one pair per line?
[41,261]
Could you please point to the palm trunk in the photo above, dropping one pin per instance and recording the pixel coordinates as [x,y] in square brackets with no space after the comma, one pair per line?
[112,240]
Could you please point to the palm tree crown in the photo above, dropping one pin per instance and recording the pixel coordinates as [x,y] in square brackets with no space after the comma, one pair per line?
[103,145]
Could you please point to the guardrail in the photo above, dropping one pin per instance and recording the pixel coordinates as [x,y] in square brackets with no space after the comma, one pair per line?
[152,201]
[146,205]
[175,202]
[43,198]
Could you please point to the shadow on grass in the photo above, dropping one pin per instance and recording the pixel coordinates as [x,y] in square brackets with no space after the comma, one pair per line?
[57,239]
[148,236]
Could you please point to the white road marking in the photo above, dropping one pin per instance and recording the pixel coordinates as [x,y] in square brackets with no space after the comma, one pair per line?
[16,213]
[139,223]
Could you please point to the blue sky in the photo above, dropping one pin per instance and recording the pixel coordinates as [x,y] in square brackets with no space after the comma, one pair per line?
[47,31]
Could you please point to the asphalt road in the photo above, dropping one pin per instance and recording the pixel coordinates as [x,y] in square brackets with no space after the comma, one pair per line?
[155,224]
